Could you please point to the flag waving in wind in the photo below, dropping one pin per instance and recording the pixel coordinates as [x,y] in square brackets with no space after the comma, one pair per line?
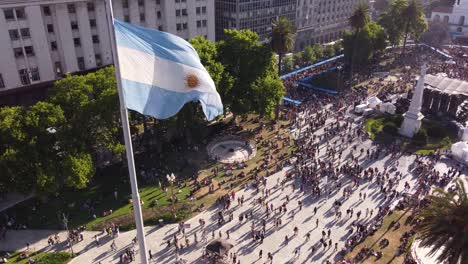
[161,72]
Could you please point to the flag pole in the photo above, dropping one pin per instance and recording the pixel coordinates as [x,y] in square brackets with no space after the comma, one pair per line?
[128,140]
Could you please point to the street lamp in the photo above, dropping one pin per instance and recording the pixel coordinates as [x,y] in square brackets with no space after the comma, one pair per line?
[65,223]
[171,179]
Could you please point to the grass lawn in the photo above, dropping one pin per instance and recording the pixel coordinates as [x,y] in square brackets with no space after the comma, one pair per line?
[385,130]
[388,253]
[41,258]
[47,214]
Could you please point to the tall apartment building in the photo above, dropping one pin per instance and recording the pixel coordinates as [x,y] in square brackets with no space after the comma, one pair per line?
[40,40]
[256,15]
[322,21]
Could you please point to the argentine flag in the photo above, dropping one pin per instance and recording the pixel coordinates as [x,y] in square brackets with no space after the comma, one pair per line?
[161,72]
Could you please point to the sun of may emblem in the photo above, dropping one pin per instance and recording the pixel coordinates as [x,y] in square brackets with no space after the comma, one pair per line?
[192,81]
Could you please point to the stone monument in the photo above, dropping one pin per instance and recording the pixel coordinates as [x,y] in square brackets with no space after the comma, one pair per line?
[413,117]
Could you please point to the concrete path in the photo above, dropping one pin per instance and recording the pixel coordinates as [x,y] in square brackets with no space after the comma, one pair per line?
[248,250]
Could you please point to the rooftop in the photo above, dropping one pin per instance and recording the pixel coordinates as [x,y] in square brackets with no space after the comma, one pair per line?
[446,85]
[443,9]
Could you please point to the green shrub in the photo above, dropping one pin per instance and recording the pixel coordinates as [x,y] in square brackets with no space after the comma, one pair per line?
[420,139]
[397,120]
[391,129]
[55,258]
[434,130]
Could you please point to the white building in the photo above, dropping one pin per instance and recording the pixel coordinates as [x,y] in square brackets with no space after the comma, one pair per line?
[456,18]
[40,40]
[322,21]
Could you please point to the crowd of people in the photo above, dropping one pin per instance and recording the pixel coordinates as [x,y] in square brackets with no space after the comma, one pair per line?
[331,160]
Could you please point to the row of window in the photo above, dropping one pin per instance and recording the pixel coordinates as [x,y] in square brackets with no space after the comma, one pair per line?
[201,23]
[461,20]
[26,79]
[201,10]
[73,25]
[15,33]
[18,52]
[140,3]
[29,50]
[178,12]
[12,12]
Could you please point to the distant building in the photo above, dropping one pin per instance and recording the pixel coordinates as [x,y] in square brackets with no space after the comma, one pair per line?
[322,21]
[256,15]
[455,17]
[40,40]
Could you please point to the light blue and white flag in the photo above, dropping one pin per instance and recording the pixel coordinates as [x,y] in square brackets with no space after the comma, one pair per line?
[161,72]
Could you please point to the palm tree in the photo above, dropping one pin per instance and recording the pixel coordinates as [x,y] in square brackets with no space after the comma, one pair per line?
[409,15]
[358,21]
[444,225]
[283,34]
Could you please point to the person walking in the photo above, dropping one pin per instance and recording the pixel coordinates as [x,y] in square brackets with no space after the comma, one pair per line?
[260,253]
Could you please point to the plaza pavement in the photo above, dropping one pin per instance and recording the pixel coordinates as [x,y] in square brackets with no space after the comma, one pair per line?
[248,250]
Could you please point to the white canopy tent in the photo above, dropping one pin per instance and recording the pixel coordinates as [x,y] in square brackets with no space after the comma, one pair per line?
[460,151]
[373,101]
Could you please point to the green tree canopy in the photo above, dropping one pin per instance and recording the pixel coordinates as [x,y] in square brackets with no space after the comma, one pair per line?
[55,144]
[35,158]
[392,22]
[208,52]
[361,47]
[329,51]
[248,61]
[288,63]
[414,22]
[318,50]
[309,54]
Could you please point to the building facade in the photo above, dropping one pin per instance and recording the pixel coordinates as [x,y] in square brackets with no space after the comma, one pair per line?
[322,21]
[456,19]
[256,15]
[40,40]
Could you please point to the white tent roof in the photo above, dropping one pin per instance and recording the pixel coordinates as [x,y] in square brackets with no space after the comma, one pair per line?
[446,85]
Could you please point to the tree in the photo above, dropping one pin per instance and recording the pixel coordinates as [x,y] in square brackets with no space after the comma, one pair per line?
[298,58]
[309,54]
[269,90]
[91,109]
[247,60]
[318,50]
[360,48]
[288,63]
[13,139]
[414,22]
[444,225]
[208,53]
[391,21]
[329,51]
[359,17]
[338,46]
[35,157]
[358,21]
[282,37]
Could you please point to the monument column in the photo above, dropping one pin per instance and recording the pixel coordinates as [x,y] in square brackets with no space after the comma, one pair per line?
[413,117]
